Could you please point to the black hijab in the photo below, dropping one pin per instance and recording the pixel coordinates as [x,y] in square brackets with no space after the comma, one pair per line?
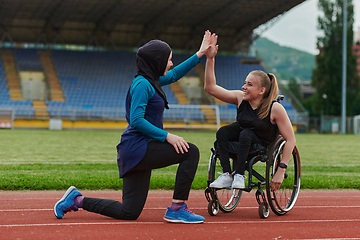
[151,61]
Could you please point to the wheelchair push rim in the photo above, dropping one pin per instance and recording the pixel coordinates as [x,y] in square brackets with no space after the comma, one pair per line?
[283,200]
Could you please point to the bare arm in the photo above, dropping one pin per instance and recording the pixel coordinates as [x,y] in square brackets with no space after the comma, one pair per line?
[279,115]
[210,86]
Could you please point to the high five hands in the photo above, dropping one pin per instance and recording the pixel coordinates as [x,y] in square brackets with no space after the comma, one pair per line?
[205,44]
[213,46]
[180,145]
[208,46]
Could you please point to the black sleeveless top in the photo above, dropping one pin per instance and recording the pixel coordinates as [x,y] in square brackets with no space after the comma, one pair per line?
[263,128]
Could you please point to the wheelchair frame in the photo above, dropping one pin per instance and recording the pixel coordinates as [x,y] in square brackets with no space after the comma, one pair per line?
[280,202]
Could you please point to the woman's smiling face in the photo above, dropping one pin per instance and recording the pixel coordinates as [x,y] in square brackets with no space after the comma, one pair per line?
[251,87]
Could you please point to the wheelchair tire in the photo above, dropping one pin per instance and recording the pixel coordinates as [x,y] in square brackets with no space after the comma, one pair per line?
[213,208]
[283,200]
[227,198]
[264,210]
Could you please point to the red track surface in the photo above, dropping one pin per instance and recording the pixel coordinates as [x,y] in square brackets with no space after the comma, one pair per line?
[316,215]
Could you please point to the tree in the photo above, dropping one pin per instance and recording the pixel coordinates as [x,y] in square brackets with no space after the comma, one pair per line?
[294,87]
[327,76]
[356,109]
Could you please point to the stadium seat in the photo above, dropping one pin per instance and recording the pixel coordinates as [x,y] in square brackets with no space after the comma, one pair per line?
[99,80]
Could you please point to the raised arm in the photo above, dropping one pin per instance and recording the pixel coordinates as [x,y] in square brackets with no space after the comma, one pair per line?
[210,86]
[183,68]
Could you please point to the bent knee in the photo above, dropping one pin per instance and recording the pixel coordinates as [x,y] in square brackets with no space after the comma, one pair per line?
[129,216]
[222,132]
[194,149]
[247,133]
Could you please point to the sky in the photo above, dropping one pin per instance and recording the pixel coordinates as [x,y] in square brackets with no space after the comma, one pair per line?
[298,27]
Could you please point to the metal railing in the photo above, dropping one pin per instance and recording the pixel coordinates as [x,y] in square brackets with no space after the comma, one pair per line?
[178,113]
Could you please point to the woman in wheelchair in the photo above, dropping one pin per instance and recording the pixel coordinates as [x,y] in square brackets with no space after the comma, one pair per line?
[259,119]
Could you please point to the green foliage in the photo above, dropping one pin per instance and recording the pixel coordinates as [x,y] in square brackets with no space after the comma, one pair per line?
[327,76]
[356,109]
[285,62]
[59,176]
[54,160]
[309,105]
[294,87]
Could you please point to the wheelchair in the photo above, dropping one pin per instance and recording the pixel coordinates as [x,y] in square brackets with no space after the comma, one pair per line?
[280,202]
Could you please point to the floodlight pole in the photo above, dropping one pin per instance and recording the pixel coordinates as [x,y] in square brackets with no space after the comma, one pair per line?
[343,101]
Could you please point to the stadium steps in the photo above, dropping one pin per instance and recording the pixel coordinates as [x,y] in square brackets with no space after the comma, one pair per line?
[179,93]
[210,115]
[182,99]
[55,87]
[11,74]
[41,112]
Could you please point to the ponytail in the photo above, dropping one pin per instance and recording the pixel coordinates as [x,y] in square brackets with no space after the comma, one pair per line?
[269,82]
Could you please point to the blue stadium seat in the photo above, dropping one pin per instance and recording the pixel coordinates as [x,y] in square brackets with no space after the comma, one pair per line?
[99,80]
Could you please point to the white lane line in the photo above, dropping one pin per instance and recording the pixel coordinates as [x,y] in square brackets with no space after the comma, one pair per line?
[162,208]
[166,197]
[151,223]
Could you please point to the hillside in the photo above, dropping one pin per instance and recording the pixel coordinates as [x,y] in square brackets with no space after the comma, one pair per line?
[285,62]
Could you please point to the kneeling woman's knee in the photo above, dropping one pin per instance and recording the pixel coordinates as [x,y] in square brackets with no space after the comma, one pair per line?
[130,216]
[189,163]
[194,152]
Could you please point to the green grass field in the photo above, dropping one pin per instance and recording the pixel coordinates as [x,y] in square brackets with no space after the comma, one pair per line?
[49,160]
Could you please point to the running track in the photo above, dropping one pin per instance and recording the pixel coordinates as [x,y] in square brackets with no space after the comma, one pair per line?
[316,215]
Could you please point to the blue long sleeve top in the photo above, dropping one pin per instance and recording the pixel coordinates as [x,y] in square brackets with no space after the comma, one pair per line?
[144,114]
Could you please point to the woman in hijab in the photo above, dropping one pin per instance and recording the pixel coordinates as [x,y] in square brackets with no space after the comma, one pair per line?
[145,145]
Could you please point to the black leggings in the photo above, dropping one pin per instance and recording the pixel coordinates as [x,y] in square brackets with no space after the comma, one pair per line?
[136,182]
[245,137]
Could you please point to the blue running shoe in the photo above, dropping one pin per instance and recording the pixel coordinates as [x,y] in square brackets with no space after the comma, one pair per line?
[66,203]
[183,215]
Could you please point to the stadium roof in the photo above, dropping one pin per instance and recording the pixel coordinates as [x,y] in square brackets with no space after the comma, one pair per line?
[131,23]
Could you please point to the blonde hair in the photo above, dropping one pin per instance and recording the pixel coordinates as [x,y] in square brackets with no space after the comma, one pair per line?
[269,82]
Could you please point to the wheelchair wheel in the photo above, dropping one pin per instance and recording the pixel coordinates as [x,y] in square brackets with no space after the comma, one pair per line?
[227,198]
[283,200]
[213,208]
[264,210]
